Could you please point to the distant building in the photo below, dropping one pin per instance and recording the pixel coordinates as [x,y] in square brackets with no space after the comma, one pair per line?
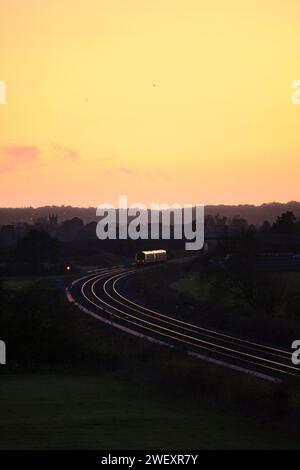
[52,220]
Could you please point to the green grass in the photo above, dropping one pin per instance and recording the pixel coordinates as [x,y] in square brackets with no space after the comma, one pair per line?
[17,283]
[192,285]
[91,412]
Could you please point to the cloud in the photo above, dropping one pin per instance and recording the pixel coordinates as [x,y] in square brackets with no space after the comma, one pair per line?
[21,157]
[65,153]
[17,157]
[130,172]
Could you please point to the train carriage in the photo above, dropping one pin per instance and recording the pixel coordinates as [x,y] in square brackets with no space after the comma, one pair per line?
[153,256]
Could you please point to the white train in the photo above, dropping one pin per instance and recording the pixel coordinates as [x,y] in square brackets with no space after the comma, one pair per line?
[153,256]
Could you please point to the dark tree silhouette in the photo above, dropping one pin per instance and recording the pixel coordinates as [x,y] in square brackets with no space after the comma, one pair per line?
[266,227]
[37,248]
[71,229]
[286,223]
[241,267]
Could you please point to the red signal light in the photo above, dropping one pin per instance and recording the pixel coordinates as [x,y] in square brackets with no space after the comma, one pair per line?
[68,268]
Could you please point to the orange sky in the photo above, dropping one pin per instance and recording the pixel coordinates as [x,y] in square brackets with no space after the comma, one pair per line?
[183,101]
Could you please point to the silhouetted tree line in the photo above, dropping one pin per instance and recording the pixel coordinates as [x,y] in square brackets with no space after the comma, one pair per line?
[74,229]
[45,247]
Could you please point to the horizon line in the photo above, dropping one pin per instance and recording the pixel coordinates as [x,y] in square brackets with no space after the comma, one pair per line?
[149,208]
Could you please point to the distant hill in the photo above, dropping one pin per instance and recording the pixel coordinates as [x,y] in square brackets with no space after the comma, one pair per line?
[253,214]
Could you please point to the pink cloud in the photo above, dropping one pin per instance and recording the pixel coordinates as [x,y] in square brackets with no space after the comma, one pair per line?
[21,152]
[17,157]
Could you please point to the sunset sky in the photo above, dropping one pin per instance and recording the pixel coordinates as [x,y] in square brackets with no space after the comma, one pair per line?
[183,101]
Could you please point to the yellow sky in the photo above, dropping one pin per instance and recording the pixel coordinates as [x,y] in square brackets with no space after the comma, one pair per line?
[183,101]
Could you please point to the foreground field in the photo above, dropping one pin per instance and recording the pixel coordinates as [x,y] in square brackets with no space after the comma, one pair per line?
[90,412]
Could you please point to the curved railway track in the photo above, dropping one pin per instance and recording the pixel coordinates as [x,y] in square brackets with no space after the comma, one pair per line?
[100,295]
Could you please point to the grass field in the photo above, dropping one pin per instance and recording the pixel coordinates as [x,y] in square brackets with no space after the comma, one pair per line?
[192,285]
[16,284]
[90,412]
[199,289]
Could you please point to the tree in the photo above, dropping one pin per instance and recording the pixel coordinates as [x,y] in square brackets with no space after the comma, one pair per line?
[71,229]
[241,267]
[261,290]
[286,223]
[220,220]
[37,248]
[238,221]
[266,227]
